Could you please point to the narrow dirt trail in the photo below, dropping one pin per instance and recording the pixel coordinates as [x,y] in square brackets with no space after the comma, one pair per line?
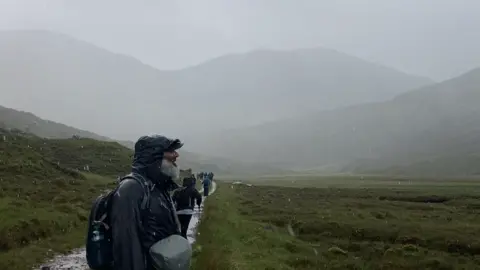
[192,227]
[76,259]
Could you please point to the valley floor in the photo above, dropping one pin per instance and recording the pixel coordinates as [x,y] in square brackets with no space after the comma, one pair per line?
[421,225]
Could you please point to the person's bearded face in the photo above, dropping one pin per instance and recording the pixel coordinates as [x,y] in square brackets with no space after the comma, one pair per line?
[169,166]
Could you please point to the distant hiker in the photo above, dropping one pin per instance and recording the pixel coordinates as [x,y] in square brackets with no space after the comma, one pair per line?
[201,174]
[206,185]
[135,227]
[184,200]
[210,175]
[194,179]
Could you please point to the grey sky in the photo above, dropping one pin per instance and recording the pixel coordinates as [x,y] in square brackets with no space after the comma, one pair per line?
[435,38]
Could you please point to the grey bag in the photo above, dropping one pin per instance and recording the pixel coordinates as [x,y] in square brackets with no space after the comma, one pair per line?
[171,253]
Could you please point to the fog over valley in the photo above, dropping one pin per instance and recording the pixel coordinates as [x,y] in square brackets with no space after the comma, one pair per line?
[327,81]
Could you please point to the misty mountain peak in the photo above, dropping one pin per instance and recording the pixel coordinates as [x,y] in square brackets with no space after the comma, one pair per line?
[122,94]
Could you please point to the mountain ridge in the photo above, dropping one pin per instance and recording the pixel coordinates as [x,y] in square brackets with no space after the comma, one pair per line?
[316,49]
[122,94]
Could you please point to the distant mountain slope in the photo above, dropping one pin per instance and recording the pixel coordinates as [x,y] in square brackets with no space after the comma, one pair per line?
[70,81]
[445,135]
[89,147]
[433,130]
[262,85]
[25,121]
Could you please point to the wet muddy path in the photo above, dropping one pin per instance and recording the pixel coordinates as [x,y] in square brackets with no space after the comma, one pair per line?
[76,259]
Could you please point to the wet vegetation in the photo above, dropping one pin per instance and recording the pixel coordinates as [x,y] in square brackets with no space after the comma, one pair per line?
[45,193]
[434,225]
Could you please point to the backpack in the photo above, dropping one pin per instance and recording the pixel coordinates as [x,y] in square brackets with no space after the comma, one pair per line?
[188,181]
[99,248]
[183,198]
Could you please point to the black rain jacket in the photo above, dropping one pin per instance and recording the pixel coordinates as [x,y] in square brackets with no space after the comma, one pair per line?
[134,231]
[185,197]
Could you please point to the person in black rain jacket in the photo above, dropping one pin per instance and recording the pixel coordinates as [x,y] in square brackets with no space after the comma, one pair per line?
[184,200]
[135,230]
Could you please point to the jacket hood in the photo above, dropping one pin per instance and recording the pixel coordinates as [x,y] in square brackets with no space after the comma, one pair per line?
[149,150]
[189,181]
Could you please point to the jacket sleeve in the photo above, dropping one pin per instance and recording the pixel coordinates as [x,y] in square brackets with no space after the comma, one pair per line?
[128,252]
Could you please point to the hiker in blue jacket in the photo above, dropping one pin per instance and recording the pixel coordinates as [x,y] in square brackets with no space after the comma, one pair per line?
[206,185]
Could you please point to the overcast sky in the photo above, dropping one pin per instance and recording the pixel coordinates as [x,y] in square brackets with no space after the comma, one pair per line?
[435,38]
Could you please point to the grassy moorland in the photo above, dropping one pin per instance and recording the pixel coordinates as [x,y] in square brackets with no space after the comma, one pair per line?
[380,224]
[44,195]
[362,181]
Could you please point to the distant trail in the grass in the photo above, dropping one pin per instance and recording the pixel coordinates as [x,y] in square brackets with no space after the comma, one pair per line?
[76,259]
[192,227]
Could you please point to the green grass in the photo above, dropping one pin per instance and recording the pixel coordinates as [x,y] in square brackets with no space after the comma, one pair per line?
[363,181]
[424,225]
[44,205]
[104,158]
[39,251]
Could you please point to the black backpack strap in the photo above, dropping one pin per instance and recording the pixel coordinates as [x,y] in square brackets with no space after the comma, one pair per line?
[147,187]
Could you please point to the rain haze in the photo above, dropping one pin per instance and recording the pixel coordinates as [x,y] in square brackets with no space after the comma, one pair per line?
[340,134]
[421,37]
[194,69]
